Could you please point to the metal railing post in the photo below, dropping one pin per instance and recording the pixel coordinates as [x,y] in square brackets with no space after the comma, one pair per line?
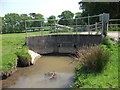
[41,26]
[55,27]
[26,29]
[88,24]
[96,26]
[76,26]
[102,23]
[26,33]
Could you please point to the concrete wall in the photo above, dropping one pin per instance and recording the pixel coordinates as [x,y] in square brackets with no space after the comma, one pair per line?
[61,43]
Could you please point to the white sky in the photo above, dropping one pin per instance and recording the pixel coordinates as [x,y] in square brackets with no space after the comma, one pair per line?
[45,7]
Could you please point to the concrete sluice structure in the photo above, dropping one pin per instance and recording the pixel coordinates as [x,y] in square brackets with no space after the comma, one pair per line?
[61,43]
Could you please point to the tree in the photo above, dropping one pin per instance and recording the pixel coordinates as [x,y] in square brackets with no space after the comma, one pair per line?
[32,15]
[11,23]
[93,8]
[66,18]
[37,17]
[51,20]
[22,23]
[78,16]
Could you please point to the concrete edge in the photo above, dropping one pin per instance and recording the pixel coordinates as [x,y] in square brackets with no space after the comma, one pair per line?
[33,56]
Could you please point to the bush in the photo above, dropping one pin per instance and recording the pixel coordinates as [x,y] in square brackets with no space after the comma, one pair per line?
[93,58]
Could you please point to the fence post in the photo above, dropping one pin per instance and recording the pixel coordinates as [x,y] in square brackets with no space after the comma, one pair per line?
[96,26]
[26,33]
[26,29]
[41,26]
[105,20]
[55,26]
[107,25]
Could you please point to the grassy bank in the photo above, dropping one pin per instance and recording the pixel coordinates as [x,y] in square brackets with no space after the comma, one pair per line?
[10,44]
[108,78]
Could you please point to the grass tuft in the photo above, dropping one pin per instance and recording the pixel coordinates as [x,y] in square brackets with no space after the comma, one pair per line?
[23,57]
[93,58]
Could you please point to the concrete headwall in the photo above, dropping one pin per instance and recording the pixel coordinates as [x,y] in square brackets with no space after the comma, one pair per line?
[61,43]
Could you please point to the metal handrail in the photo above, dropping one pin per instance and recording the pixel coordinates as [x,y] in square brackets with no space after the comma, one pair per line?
[114,20]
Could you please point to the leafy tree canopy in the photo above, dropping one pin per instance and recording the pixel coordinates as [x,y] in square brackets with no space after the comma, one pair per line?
[66,15]
[93,8]
[51,20]
[11,23]
[78,14]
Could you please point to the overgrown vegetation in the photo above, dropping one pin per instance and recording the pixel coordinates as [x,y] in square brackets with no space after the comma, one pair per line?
[106,78]
[93,58]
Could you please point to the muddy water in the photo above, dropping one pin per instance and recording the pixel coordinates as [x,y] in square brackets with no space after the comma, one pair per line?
[35,76]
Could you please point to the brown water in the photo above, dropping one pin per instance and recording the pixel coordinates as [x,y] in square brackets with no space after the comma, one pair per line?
[34,76]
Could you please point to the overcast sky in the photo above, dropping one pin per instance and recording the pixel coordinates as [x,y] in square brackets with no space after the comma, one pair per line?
[45,7]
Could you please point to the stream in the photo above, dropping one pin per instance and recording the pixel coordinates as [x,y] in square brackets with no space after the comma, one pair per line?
[36,76]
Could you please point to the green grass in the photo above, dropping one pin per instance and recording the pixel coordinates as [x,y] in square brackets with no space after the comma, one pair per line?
[22,52]
[108,78]
[9,45]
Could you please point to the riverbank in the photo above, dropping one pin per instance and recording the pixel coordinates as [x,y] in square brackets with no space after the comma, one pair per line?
[10,46]
[108,78]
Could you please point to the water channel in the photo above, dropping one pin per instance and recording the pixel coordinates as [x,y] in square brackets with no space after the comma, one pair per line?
[35,76]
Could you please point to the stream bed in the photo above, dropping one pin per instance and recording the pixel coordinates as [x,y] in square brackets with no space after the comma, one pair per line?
[35,76]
